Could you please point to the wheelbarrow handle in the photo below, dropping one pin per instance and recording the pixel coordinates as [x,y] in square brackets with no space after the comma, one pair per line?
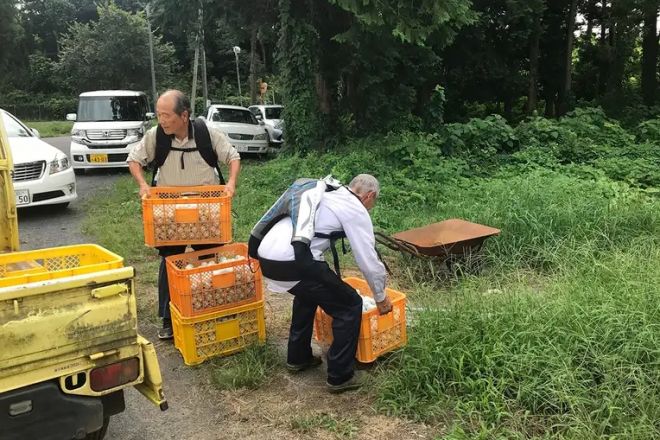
[396,245]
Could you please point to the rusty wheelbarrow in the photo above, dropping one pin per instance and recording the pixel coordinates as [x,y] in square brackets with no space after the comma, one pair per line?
[452,241]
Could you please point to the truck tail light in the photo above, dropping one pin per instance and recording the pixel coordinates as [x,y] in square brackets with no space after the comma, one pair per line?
[113,375]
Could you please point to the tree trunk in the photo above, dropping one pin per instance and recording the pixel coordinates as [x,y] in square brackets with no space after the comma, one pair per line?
[617,60]
[603,22]
[650,54]
[590,30]
[604,62]
[264,61]
[253,67]
[532,94]
[549,105]
[323,94]
[508,108]
[565,88]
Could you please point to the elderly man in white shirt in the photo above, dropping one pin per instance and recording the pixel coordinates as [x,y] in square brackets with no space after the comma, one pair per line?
[345,209]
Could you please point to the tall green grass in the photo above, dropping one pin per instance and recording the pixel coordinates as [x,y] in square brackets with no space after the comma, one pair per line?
[578,359]
[557,337]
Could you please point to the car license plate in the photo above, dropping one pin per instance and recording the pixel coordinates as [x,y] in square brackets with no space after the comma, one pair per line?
[22,197]
[98,158]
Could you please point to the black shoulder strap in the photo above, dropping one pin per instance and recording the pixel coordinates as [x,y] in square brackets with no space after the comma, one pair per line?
[205,147]
[163,146]
[333,237]
[202,142]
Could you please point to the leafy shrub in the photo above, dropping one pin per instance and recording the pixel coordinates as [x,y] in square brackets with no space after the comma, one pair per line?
[649,131]
[544,133]
[592,124]
[635,171]
[480,139]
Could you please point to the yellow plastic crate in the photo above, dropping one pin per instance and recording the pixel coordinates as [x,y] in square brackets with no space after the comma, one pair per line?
[218,334]
[51,263]
[379,334]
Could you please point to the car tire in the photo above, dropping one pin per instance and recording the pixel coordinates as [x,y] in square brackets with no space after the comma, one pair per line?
[98,435]
[79,171]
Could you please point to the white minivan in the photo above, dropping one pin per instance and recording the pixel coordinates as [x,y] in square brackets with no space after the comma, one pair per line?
[107,125]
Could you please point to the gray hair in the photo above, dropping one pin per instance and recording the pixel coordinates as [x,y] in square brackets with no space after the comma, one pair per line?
[364,183]
[181,101]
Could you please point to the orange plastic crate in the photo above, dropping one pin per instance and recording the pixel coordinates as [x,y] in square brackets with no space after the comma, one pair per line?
[379,334]
[217,286]
[186,215]
[218,334]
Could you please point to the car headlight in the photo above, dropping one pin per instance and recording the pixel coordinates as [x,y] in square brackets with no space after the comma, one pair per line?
[138,132]
[261,137]
[59,164]
[78,134]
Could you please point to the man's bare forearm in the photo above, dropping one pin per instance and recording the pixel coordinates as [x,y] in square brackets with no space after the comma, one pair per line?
[136,171]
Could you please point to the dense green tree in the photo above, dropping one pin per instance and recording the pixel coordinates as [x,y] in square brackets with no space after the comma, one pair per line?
[46,20]
[11,41]
[345,62]
[112,52]
[347,67]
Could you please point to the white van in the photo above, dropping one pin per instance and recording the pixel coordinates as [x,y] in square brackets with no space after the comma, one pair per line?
[108,124]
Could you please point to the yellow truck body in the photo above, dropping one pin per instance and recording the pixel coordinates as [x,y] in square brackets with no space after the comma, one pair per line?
[8,217]
[68,336]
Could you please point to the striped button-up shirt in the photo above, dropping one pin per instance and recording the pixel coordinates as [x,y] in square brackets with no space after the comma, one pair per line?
[196,171]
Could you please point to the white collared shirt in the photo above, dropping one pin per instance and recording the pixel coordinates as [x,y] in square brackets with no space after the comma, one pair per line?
[338,210]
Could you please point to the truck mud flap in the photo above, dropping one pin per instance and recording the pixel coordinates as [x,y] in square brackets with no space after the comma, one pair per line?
[152,386]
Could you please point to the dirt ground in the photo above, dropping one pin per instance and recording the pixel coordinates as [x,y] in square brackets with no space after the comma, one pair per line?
[286,407]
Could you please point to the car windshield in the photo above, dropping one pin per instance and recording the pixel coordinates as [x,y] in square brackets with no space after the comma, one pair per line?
[273,112]
[109,108]
[234,115]
[13,127]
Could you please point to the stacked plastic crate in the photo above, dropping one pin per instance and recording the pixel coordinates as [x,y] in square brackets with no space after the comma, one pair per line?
[216,295]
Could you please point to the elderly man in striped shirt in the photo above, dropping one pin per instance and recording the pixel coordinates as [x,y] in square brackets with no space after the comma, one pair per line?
[181,164]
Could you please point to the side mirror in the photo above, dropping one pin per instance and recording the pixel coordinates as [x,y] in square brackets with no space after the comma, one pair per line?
[35,132]
[150,115]
[71,117]
[203,118]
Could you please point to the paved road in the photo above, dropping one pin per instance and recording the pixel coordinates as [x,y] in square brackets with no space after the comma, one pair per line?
[45,226]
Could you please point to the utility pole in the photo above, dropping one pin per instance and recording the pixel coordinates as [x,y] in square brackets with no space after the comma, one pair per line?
[205,87]
[195,62]
[154,95]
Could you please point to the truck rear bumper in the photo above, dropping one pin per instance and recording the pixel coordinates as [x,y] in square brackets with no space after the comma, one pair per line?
[47,413]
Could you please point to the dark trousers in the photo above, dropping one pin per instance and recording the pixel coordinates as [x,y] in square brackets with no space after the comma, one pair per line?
[344,305]
[163,283]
